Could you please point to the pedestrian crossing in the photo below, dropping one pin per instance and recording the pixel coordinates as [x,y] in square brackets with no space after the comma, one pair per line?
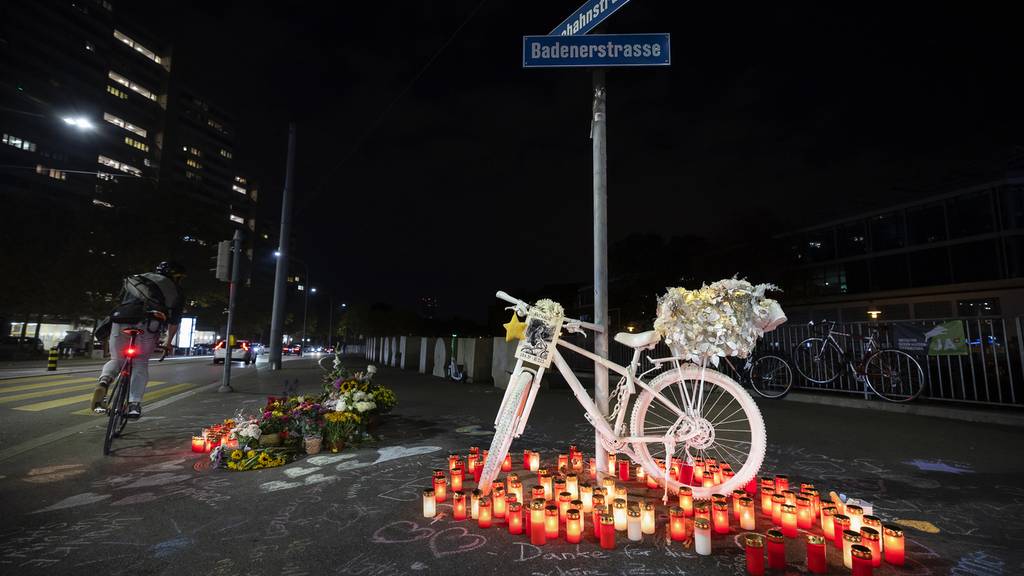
[56,392]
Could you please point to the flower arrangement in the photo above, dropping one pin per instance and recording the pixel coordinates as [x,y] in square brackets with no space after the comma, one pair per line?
[307,418]
[722,319]
[385,399]
[242,459]
[342,426]
[549,310]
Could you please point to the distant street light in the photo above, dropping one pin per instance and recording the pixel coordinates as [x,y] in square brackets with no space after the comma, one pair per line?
[80,122]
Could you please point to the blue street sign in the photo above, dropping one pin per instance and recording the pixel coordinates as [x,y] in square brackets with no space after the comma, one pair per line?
[587,17]
[596,51]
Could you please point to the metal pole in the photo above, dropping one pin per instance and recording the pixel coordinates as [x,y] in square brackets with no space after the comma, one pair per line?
[277,319]
[330,320]
[598,136]
[236,266]
[305,308]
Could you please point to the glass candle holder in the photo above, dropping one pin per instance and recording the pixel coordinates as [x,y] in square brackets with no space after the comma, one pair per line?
[564,498]
[717,498]
[815,500]
[790,497]
[766,499]
[702,536]
[592,467]
[440,488]
[609,485]
[526,459]
[516,487]
[607,524]
[789,521]
[598,511]
[638,471]
[776,549]
[828,510]
[624,466]
[872,540]
[753,546]
[514,518]
[598,499]
[559,485]
[587,497]
[453,459]
[546,482]
[538,534]
[875,523]
[804,513]
[506,464]
[781,482]
[736,495]
[620,492]
[709,480]
[429,504]
[633,529]
[498,503]
[474,504]
[702,509]
[840,524]
[483,518]
[720,516]
[716,475]
[686,500]
[619,514]
[856,514]
[816,563]
[573,526]
[551,521]
[459,506]
[893,544]
[537,491]
[698,469]
[611,464]
[861,560]
[572,485]
[534,461]
[849,539]
[778,501]
[198,444]
[563,463]
[457,478]
[748,519]
[647,524]
[676,524]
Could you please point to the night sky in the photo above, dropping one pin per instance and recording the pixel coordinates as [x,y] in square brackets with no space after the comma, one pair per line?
[430,163]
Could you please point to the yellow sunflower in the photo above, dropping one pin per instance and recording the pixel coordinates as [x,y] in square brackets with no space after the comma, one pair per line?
[236,455]
[264,458]
[233,465]
[250,454]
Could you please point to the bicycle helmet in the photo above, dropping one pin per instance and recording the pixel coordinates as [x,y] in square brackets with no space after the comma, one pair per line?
[170,269]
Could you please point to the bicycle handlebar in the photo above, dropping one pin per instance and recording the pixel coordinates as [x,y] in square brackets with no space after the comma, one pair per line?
[522,306]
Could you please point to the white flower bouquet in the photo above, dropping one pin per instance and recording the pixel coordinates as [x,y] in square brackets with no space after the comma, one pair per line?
[722,319]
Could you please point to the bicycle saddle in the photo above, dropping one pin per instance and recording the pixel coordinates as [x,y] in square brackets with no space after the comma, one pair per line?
[132,331]
[639,340]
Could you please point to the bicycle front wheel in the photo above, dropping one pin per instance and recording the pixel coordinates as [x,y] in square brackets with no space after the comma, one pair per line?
[894,375]
[117,406]
[771,376]
[730,427]
[817,361]
[506,425]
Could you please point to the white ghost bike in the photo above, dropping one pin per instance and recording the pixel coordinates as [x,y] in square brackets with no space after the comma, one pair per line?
[685,412]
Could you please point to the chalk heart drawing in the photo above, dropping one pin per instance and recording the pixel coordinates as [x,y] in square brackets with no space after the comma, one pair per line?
[447,542]
[401,532]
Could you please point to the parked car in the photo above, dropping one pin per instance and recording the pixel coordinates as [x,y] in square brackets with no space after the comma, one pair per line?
[202,350]
[292,350]
[240,351]
[15,348]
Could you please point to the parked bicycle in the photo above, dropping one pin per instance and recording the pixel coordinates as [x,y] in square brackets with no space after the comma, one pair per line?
[767,374]
[115,405]
[892,374]
[686,412]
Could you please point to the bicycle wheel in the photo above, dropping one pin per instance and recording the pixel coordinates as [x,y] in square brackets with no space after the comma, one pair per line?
[730,426]
[508,423]
[771,376]
[894,375]
[116,408]
[817,361]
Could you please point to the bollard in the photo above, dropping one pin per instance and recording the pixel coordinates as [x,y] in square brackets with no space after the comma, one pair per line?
[51,361]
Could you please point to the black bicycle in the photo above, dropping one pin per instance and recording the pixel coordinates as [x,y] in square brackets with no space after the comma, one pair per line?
[115,405]
[770,375]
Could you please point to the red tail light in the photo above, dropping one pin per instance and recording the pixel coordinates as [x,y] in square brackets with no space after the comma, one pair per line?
[219,345]
[245,346]
[131,352]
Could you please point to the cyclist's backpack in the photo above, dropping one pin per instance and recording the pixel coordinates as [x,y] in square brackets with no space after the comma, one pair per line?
[139,295]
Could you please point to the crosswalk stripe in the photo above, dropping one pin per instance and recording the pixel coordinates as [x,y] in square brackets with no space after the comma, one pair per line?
[149,396]
[19,388]
[42,393]
[39,406]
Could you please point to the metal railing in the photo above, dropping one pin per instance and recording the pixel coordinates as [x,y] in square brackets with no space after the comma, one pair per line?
[992,371]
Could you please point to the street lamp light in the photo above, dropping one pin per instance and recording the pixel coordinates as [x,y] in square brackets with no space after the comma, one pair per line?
[80,122]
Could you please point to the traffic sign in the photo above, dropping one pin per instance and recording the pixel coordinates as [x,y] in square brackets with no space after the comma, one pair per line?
[598,51]
[587,17]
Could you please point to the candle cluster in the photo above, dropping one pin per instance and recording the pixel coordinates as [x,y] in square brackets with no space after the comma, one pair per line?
[215,435]
[567,499]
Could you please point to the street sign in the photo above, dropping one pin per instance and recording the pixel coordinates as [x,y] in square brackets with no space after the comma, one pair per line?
[598,50]
[587,17]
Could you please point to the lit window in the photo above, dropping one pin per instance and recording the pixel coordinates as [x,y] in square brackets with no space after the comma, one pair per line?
[97,202]
[192,150]
[106,176]
[51,172]
[134,87]
[238,189]
[123,124]
[119,165]
[190,175]
[116,92]
[193,164]
[19,143]
[136,144]
[226,154]
[239,179]
[237,219]
[138,47]
[89,46]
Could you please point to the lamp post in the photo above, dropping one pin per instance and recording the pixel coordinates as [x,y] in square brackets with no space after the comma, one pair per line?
[305,288]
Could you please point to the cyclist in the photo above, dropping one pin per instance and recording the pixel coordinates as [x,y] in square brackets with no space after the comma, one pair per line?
[149,301]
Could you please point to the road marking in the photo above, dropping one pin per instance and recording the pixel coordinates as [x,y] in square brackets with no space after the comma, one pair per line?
[42,393]
[149,396]
[9,389]
[39,406]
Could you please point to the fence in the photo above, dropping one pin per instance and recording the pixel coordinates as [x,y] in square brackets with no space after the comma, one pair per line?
[992,371]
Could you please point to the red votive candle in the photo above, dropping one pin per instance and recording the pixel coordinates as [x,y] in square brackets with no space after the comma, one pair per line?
[534,461]
[514,517]
[816,554]
[776,549]
[457,478]
[789,521]
[483,517]
[676,524]
[702,509]
[862,564]
[736,495]
[564,498]
[198,444]
[499,505]
[766,499]
[563,463]
[624,470]
[526,459]
[709,480]
[478,470]
[458,506]
[538,536]
[753,544]
[893,544]
[573,527]
[778,501]
[686,500]
[804,513]
[828,510]
[598,511]
[781,482]
[551,521]
[607,532]
[872,540]
[440,488]
[840,524]
[721,517]
[506,464]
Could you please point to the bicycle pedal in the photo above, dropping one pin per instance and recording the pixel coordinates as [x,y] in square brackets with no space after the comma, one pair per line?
[99,410]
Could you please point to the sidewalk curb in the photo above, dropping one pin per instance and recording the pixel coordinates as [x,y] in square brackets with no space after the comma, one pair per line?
[948,412]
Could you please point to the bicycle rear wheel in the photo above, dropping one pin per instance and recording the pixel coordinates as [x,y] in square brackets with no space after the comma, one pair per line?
[731,429]
[507,424]
[894,375]
[117,407]
[817,361]
[771,376]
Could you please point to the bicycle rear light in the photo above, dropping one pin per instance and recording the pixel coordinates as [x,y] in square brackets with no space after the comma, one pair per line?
[131,352]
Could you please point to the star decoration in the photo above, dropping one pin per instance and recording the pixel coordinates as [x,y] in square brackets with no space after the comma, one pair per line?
[514,329]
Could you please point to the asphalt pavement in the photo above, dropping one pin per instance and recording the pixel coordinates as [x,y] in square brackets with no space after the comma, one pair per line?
[154,507]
